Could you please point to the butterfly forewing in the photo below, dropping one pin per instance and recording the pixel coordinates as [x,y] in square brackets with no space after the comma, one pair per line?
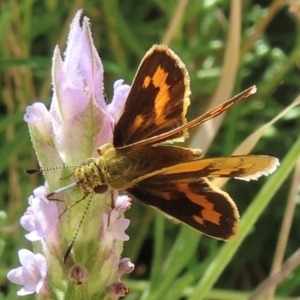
[157,101]
[245,167]
[181,130]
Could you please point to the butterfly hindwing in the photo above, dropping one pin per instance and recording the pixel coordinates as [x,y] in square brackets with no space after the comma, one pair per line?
[158,99]
[184,192]
[194,201]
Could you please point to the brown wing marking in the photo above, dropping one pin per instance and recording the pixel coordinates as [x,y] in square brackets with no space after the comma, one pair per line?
[194,201]
[207,116]
[158,98]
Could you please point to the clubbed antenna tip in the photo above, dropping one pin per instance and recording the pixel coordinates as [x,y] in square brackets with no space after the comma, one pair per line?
[33,171]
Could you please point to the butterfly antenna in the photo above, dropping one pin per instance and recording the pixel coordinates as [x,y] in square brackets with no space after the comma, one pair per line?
[67,187]
[79,225]
[41,170]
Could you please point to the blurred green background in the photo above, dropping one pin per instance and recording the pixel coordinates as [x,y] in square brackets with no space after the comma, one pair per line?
[172,261]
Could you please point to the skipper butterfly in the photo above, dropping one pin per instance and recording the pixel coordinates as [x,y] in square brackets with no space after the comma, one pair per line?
[142,161]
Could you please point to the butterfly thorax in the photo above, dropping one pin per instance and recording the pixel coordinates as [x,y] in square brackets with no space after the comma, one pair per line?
[110,169]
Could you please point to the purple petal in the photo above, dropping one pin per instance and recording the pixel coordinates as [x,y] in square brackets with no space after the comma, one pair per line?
[113,216]
[28,288]
[42,264]
[121,91]
[15,275]
[104,130]
[98,81]
[34,236]
[32,273]
[120,236]
[38,116]
[116,226]
[73,51]
[28,222]
[40,192]
[120,225]
[46,214]
[69,96]
[86,63]
[26,257]
[41,217]
[91,66]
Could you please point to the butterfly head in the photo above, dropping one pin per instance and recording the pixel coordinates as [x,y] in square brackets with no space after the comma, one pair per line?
[91,176]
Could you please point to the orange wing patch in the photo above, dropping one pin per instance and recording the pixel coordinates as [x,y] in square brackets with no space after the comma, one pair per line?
[138,121]
[207,212]
[159,80]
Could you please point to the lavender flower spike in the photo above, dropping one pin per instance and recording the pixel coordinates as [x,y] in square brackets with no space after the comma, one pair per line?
[77,124]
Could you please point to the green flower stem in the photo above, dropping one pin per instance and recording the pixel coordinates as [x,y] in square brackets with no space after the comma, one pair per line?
[250,217]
